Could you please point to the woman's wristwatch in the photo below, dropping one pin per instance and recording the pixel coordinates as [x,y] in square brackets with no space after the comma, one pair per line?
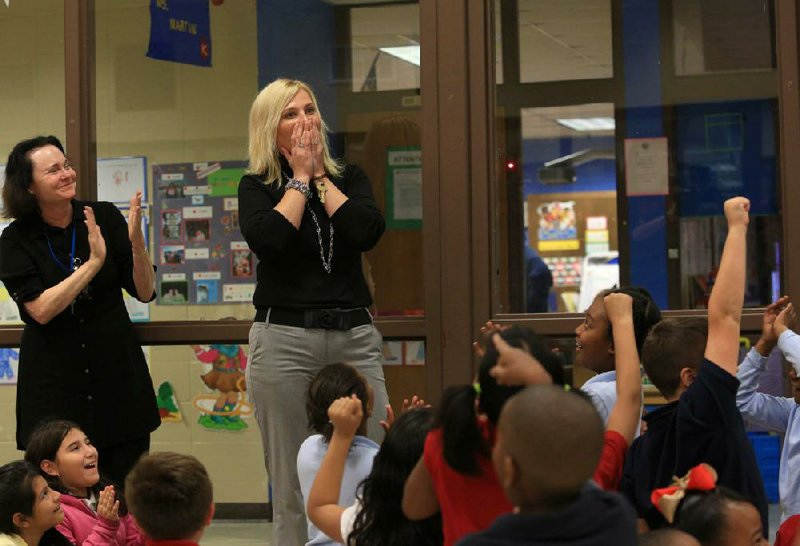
[295,184]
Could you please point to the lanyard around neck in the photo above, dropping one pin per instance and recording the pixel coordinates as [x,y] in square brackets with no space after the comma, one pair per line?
[71,265]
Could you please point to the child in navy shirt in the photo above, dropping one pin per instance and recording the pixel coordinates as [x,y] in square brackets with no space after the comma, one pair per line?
[693,364]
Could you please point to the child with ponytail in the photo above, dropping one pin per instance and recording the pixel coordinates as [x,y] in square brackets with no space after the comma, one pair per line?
[455,474]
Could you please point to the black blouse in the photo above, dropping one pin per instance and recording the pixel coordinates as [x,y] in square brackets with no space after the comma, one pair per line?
[290,271]
[86,364]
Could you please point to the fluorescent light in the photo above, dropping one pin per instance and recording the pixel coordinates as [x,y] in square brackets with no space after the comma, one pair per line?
[410,53]
[588,124]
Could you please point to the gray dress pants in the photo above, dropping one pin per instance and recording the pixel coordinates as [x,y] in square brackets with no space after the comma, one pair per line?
[282,362]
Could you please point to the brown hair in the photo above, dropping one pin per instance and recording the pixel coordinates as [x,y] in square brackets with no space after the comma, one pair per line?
[169,495]
[673,344]
[18,202]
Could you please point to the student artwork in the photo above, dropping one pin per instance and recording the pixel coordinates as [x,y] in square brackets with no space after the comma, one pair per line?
[198,230]
[9,312]
[415,353]
[168,406]
[173,292]
[558,226]
[171,225]
[392,353]
[226,376]
[172,254]
[9,362]
[206,290]
[242,263]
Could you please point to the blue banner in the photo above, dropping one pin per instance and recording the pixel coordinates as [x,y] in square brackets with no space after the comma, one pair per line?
[180,31]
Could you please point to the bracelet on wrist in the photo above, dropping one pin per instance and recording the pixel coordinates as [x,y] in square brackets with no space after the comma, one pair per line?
[295,184]
[142,253]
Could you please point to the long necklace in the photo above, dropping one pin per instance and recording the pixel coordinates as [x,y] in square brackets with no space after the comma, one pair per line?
[326,263]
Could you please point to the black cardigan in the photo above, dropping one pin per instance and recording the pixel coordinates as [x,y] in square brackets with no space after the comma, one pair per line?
[290,272]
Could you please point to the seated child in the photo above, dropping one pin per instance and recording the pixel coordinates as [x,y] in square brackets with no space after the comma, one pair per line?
[29,509]
[375,518]
[171,498]
[776,413]
[595,343]
[455,474]
[788,534]
[330,384]
[548,446]
[67,460]
[714,515]
[516,367]
[696,373]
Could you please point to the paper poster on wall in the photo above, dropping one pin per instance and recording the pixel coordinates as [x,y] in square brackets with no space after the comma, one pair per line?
[392,353]
[119,178]
[414,353]
[174,289]
[206,286]
[242,293]
[9,365]
[198,232]
[137,310]
[9,312]
[647,166]
[404,187]
[558,226]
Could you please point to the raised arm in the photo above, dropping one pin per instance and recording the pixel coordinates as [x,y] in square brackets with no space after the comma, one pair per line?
[758,408]
[419,496]
[727,296]
[788,340]
[323,507]
[624,416]
[516,366]
[55,299]
[144,277]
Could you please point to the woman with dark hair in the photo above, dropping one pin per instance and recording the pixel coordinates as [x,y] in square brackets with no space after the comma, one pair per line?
[308,219]
[455,474]
[376,518]
[29,509]
[65,263]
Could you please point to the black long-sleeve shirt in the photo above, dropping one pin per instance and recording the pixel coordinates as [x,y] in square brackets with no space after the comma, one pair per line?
[290,272]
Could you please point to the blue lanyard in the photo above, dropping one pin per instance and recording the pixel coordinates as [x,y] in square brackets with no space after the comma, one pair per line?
[67,269]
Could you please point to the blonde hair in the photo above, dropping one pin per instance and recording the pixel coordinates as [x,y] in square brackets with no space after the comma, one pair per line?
[265,115]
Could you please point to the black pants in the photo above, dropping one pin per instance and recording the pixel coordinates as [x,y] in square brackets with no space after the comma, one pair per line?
[117,460]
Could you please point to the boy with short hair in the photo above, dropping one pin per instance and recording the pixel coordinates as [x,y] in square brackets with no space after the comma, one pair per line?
[548,481]
[171,498]
[696,373]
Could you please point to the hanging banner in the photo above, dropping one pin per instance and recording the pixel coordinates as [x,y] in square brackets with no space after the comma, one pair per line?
[180,31]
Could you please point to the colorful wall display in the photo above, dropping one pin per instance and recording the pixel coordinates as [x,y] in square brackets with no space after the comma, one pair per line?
[199,250]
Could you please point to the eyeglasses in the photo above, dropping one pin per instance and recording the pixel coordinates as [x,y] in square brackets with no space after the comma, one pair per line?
[55,169]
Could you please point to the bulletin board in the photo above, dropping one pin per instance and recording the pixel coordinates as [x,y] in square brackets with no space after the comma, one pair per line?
[201,255]
[566,226]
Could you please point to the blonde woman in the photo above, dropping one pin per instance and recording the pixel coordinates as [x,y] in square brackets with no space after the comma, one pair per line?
[308,219]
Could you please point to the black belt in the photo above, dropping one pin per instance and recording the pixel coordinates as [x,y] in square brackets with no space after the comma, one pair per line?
[328,319]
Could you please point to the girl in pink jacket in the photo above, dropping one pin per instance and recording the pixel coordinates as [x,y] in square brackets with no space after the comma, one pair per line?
[93,515]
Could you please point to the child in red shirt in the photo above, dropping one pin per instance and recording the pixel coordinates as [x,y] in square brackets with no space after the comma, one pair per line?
[455,474]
